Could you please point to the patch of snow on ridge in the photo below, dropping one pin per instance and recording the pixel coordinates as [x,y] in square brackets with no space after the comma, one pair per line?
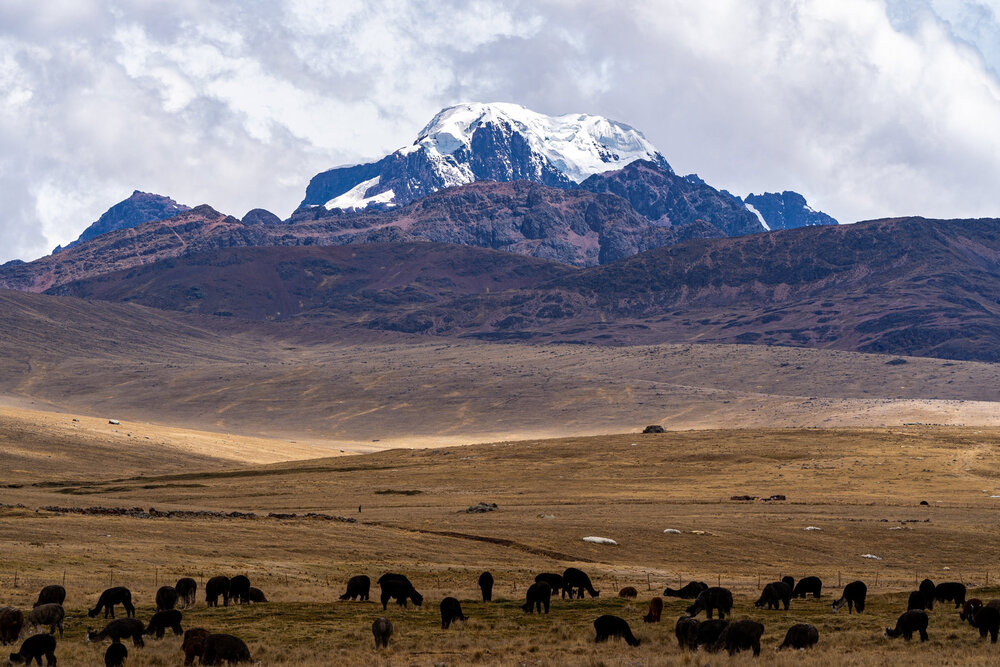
[578,145]
[599,540]
[355,197]
[750,207]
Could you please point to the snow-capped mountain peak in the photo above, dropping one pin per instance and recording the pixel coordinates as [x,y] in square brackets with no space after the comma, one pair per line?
[477,141]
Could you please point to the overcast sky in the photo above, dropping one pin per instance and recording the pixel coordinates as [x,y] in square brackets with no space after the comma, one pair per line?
[869,108]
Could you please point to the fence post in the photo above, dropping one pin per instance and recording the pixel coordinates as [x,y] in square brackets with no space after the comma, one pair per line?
[720,580]
[838,578]
[649,584]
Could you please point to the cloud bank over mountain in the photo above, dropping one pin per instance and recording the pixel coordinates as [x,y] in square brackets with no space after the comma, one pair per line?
[867,107]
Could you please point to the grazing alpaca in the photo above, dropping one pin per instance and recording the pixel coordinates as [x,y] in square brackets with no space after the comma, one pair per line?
[166,598]
[614,626]
[917,600]
[853,596]
[986,620]
[654,611]
[34,648]
[927,588]
[909,622]
[800,636]
[51,614]
[740,636]
[451,610]
[257,595]
[712,598]
[382,629]
[220,648]
[398,589]
[187,589]
[710,631]
[215,587]
[686,630]
[689,591]
[555,582]
[194,644]
[628,592]
[358,587]
[171,618]
[53,593]
[808,585]
[775,593]
[119,629]
[539,594]
[111,597]
[239,589]
[790,581]
[950,591]
[578,579]
[486,586]
[115,655]
[11,622]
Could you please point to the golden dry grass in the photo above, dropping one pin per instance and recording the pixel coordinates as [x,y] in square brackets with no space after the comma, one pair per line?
[862,487]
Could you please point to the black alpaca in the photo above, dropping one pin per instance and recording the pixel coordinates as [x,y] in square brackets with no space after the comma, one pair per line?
[950,591]
[574,579]
[686,630]
[215,587]
[853,596]
[987,621]
[917,600]
[539,595]
[115,655]
[688,592]
[800,636]
[399,589]
[239,589]
[187,589]
[157,626]
[909,622]
[166,598]
[382,630]
[49,594]
[808,585]
[555,582]
[358,588]
[741,636]
[220,649]
[111,597]
[119,629]
[486,586]
[715,597]
[451,611]
[710,631]
[614,626]
[775,593]
[927,588]
[34,648]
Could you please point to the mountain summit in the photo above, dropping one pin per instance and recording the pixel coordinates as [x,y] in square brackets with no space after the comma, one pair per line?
[495,142]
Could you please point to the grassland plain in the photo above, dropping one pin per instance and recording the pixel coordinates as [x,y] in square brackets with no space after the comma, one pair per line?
[861,487]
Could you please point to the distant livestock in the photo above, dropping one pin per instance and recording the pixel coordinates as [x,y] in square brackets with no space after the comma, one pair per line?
[49,615]
[53,593]
[555,582]
[951,591]
[11,622]
[710,631]
[118,629]
[220,648]
[853,596]
[927,588]
[216,587]
[909,622]
[654,612]
[382,630]
[800,636]
[115,655]
[688,592]
[714,598]
[187,590]
[486,586]
[790,581]
[807,586]
[257,595]
[451,611]
[740,636]
[397,587]
[574,579]
[358,588]
[166,598]
[111,597]
[986,620]
[34,648]
[539,595]
[239,589]
[686,630]
[917,600]
[608,626]
[628,592]
[775,593]
[194,644]
[162,620]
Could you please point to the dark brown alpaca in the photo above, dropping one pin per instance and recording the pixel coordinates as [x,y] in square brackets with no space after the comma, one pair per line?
[655,609]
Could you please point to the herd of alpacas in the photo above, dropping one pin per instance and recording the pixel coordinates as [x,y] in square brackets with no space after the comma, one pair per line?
[712,634]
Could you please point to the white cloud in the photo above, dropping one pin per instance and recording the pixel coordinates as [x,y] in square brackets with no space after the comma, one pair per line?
[868,107]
